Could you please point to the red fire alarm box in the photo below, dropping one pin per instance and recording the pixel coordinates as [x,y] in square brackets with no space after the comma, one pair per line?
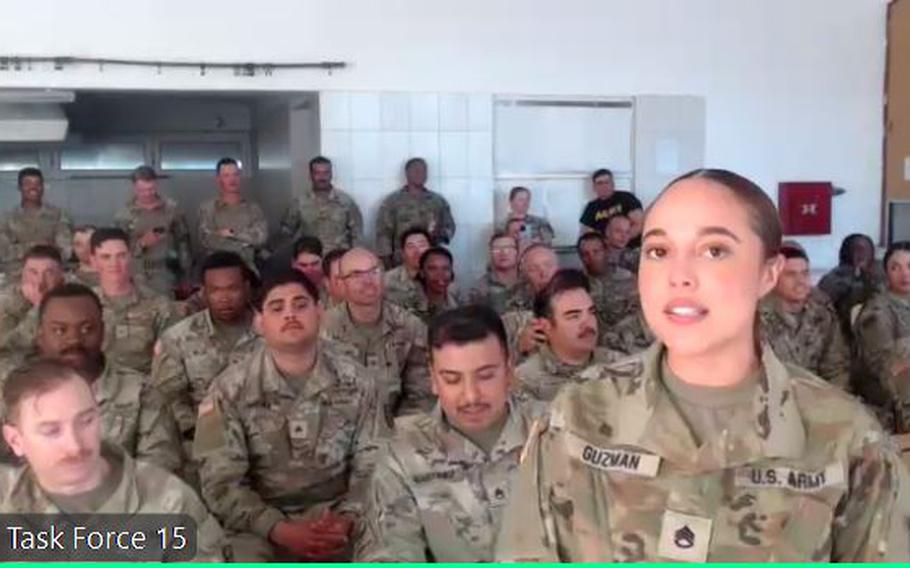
[805,207]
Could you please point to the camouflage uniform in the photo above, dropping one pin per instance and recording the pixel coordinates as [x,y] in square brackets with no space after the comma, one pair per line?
[135,417]
[796,471]
[143,489]
[24,228]
[400,288]
[333,218]
[542,374]
[396,355]
[811,339]
[402,210]
[436,496]
[491,292]
[521,298]
[847,290]
[514,323]
[245,219]
[421,306]
[158,263]
[269,452]
[537,229]
[630,336]
[132,325]
[624,258]
[615,296]
[189,355]
[85,277]
[882,366]
[18,320]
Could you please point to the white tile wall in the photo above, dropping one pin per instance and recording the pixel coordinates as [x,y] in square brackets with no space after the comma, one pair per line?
[453,154]
[480,113]
[424,112]
[366,154]
[395,111]
[395,150]
[370,135]
[365,111]
[453,112]
[426,145]
[480,155]
[334,110]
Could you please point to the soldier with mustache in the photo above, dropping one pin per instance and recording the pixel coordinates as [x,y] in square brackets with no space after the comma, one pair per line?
[55,425]
[286,437]
[569,321]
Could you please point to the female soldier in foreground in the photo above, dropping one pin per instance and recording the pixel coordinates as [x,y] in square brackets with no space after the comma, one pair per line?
[706,446]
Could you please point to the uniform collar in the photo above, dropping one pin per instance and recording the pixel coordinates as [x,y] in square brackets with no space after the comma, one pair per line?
[493,281]
[899,300]
[459,448]
[424,193]
[385,319]
[552,365]
[773,306]
[163,203]
[262,364]
[27,496]
[648,418]
[212,331]
[331,194]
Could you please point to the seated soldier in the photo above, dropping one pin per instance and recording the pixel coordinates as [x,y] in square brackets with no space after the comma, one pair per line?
[857,277]
[613,289]
[84,272]
[192,352]
[401,283]
[617,236]
[525,333]
[569,320]
[134,316]
[384,338]
[287,437]
[500,281]
[801,325]
[530,228]
[42,270]
[436,292]
[307,260]
[882,332]
[592,251]
[334,284]
[54,424]
[441,483]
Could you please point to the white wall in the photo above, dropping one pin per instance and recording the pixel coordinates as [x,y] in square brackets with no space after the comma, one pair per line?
[792,89]
[370,135]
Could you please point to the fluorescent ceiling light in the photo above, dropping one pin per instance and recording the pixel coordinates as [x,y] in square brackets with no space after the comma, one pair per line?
[36,96]
[32,123]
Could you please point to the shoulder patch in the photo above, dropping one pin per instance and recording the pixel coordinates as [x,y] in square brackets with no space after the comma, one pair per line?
[210,429]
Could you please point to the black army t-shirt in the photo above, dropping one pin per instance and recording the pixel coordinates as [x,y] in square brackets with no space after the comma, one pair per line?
[598,211]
